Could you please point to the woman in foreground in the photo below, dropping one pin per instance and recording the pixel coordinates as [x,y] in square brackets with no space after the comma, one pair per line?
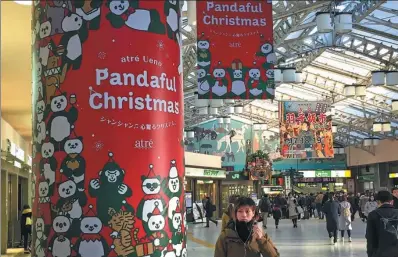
[243,237]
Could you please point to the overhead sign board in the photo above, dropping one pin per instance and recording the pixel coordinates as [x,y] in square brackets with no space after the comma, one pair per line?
[204,173]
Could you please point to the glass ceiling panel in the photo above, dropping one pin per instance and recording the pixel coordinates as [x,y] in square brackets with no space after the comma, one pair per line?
[349,110]
[294,35]
[356,134]
[295,93]
[383,91]
[265,105]
[343,65]
[331,75]
[391,5]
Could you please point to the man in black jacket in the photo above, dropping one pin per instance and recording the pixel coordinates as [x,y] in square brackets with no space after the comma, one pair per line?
[395,196]
[381,231]
[265,208]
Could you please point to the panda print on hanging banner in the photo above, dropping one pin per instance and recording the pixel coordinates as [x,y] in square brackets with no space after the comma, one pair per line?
[40,244]
[172,188]
[48,165]
[175,224]
[128,13]
[40,129]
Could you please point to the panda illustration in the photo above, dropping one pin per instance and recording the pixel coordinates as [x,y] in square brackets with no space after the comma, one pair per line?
[173,186]
[255,83]
[123,12]
[175,224]
[270,83]
[151,187]
[154,229]
[204,81]
[171,10]
[60,244]
[48,164]
[44,35]
[220,85]
[43,192]
[237,75]
[40,244]
[90,11]
[70,204]
[75,34]
[204,55]
[74,165]
[40,131]
[61,121]
[90,242]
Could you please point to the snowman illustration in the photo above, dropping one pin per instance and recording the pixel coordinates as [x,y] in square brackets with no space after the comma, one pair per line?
[255,83]
[220,85]
[203,81]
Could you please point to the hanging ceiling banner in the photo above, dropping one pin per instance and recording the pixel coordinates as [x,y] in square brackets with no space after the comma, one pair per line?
[305,130]
[234,50]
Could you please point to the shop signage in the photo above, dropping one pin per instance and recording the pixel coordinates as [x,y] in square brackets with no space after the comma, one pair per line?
[366,177]
[201,173]
[236,175]
[322,173]
[315,180]
[393,175]
[235,54]
[341,173]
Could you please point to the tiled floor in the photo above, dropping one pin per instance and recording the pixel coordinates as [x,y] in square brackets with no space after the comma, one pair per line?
[309,239]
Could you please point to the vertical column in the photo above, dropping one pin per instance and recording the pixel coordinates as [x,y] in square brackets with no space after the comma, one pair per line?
[108,122]
[4,210]
[14,223]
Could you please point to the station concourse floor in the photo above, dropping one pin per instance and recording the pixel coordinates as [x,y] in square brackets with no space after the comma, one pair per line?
[309,239]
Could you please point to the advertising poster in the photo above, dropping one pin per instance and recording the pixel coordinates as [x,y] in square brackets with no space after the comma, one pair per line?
[305,130]
[107,92]
[234,50]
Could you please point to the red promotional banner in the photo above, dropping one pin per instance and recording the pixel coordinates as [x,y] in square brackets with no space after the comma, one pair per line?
[234,50]
[107,129]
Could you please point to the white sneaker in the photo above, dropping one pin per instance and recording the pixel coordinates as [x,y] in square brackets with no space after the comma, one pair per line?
[350,239]
[332,241]
[342,239]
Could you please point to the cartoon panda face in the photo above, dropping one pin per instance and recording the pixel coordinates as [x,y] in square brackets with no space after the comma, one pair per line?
[61,224]
[67,189]
[72,22]
[270,74]
[238,74]
[219,73]
[73,146]
[254,73]
[43,189]
[271,58]
[59,103]
[39,225]
[91,225]
[174,185]
[118,7]
[203,44]
[40,105]
[45,29]
[156,223]
[177,220]
[201,73]
[47,150]
[151,186]
[266,48]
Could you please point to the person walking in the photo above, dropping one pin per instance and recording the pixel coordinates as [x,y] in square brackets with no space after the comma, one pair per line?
[332,212]
[26,226]
[381,229]
[293,212]
[370,206]
[265,207]
[277,214]
[318,205]
[242,236]
[345,223]
[228,214]
[363,199]
[395,197]
[210,208]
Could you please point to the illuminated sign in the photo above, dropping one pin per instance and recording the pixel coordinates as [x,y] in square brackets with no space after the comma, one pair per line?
[201,173]
[393,175]
[326,173]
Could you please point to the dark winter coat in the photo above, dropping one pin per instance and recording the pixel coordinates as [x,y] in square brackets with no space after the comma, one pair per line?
[379,242]
[209,208]
[229,244]
[264,204]
[395,202]
[26,228]
[332,212]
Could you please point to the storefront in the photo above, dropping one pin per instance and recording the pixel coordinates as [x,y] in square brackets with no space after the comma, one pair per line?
[202,182]
[394,178]
[236,183]
[332,180]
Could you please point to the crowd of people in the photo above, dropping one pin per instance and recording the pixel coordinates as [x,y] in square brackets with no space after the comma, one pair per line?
[240,232]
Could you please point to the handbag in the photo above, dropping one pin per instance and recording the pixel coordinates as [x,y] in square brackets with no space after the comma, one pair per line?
[299,210]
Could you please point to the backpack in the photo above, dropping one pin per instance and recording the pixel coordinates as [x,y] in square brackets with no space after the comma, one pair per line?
[390,226]
[28,221]
[264,206]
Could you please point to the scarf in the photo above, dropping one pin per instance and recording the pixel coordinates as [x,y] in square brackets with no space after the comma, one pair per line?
[244,230]
[91,237]
[255,83]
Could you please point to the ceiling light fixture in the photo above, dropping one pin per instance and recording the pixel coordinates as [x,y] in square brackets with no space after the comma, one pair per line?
[26,2]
